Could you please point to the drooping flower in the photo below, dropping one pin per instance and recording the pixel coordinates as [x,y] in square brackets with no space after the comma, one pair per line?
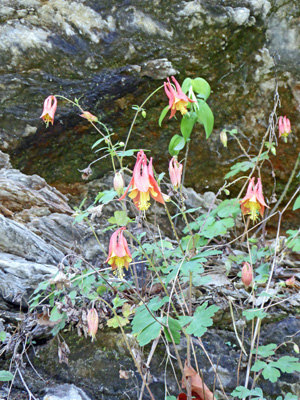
[119,183]
[90,117]
[93,323]
[50,105]
[291,281]
[253,203]
[223,138]
[284,126]
[177,99]
[175,171]
[247,274]
[119,255]
[143,184]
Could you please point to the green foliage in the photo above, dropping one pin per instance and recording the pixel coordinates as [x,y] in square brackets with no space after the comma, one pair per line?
[200,321]
[293,241]
[271,370]
[297,204]
[120,218]
[176,144]
[174,329]
[187,123]
[265,351]
[106,196]
[205,117]
[288,396]
[6,376]
[2,336]
[144,325]
[254,313]
[245,165]
[241,392]
[163,114]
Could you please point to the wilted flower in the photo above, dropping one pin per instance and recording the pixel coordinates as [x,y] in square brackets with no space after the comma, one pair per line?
[284,126]
[93,323]
[253,203]
[119,255]
[90,117]
[50,105]
[247,274]
[177,99]
[119,183]
[86,173]
[223,138]
[175,171]
[291,281]
[143,184]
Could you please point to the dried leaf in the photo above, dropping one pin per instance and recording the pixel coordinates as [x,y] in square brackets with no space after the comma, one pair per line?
[63,353]
[199,389]
[124,374]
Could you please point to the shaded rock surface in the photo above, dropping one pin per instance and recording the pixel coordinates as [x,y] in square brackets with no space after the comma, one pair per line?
[65,392]
[114,53]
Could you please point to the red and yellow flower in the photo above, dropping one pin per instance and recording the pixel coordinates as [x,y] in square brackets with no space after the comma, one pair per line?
[253,203]
[175,171]
[284,126]
[119,255]
[177,99]
[143,184]
[50,105]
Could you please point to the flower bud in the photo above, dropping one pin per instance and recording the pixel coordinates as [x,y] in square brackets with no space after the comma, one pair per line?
[119,183]
[93,322]
[247,274]
[291,281]
[223,138]
[175,171]
[90,117]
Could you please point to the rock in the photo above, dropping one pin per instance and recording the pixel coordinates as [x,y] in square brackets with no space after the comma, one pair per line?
[239,15]
[19,277]
[65,392]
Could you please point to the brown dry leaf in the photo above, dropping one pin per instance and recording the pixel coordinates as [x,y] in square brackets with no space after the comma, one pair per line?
[63,353]
[199,389]
[124,374]
[43,319]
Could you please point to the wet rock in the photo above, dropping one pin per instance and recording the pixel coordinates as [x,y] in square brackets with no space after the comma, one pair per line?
[65,392]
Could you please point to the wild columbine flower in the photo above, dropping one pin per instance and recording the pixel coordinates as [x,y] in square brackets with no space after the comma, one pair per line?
[177,99]
[284,126]
[50,105]
[90,117]
[253,203]
[119,255]
[175,171]
[143,184]
[119,183]
[247,274]
[93,323]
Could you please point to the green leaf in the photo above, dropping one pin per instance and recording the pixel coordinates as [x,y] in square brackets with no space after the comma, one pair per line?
[117,302]
[288,396]
[251,314]
[287,364]
[151,332]
[297,204]
[106,196]
[271,373]
[116,322]
[176,144]
[205,117]
[258,366]
[228,208]
[186,84]
[6,376]
[55,315]
[2,336]
[163,114]
[175,328]
[218,228]
[201,86]
[126,153]
[201,320]
[265,351]
[120,218]
[241,392]
[187,123]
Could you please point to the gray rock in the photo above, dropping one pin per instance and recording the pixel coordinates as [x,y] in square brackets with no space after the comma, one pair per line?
[65,392]
[20,241]
[19,278]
